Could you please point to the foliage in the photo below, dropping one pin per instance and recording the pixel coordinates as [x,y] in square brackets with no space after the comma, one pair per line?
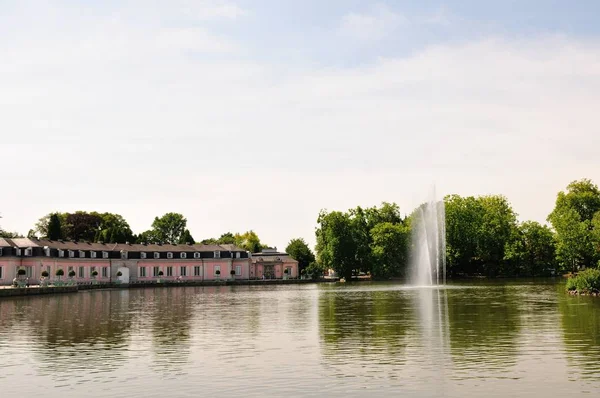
[585,282]
[218,272]
[532,250]
[576,220]
[94,273]
[390,249]
[21,272]
[45,274]
[119,273]
[71,273]
[232,272]
[9,235]
[299,251]
[249,241]
[169,228]
[160,273]
[372,240]
[54,227]
[314,270]
[60,272]
[186,237]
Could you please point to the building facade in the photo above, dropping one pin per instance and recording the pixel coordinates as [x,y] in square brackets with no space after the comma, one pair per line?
[271,264]
[137,262]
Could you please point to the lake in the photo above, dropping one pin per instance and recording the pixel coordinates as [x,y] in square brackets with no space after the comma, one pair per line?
[497,339]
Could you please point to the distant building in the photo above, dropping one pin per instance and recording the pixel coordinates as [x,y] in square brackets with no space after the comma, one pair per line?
[271,264]
[141,262]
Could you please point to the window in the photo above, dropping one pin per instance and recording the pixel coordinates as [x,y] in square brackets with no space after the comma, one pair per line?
[18,252]
[123,255]
[183,255]
[169,255]
[143,255]
[156,255]
[0,251]
[238,270]
[217,268]
[217,254]
[105,272]
[1,272]
[155,271]
[238,255]
[142,272]
[46,251]
[169,271]
[28,252]
[197,270]
[61,253]
[183,271]
[49,270]
[196,255]
[69,270]
[104,254]
[93,254]
[28,271]
[71,253]
[81,254]
[81,272]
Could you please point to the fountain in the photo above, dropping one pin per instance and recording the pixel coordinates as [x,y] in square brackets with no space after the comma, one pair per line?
[428,253]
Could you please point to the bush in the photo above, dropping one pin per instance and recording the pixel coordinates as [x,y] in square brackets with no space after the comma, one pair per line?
[232,272]
[160,273]
[60,272]
[286,271]
[94,273]
[218,272]
[45,274]
[21,272]
[587,281]
[119,273]
[71,273]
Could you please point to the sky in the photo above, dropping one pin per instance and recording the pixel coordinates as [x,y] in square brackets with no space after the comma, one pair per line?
[258,114]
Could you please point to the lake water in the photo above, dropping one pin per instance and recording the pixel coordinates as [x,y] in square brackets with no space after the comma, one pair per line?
[343,340]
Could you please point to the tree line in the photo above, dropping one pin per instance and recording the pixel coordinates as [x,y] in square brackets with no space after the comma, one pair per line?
[483,237]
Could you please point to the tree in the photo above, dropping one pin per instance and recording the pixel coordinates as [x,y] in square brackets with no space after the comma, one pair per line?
[533,250]
[54,227]
[226,239]
[299,251]
[10,235]
[390,245]
[82,226]
[573,219]
[186,237]
[169,228]
[249,241]
[463,217]
[335,244]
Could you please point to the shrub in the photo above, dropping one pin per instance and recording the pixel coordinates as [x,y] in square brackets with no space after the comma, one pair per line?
[60,272]
[21,272]
[232,272]
[94,273]
[71,273]
[160,273]
[286,271]
[119,273]
[218,272]
[45,274]
[587,281]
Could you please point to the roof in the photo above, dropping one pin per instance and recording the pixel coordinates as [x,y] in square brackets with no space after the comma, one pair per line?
[71,245]
[272,258]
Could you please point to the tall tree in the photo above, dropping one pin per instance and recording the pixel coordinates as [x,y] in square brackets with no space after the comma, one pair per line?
[54,228]
[299,251]
[573,220]
[335,244]
[186,237]
[249,241]
[390,245]
[82,226]
[169,228]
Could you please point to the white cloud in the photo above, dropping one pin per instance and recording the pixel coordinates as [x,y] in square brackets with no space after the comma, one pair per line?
[192,39]
[105,119]
[373,25]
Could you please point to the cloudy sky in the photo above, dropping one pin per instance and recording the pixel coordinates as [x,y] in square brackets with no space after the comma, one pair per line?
[256,114]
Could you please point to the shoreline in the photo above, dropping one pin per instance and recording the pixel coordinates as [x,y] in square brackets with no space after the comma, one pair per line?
[37,290]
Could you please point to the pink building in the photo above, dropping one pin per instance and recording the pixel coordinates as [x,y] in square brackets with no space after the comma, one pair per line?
[271,264]
[136,262]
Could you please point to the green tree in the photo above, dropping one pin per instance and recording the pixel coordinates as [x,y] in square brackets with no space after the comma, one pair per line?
[43,223]
[533,249]
[169,228]
[299,251]
[186,237]
[226,239]
[54,228]
[390,245]
[82,226]
[248,241]
[336,248]
[463,217]
[573,219]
